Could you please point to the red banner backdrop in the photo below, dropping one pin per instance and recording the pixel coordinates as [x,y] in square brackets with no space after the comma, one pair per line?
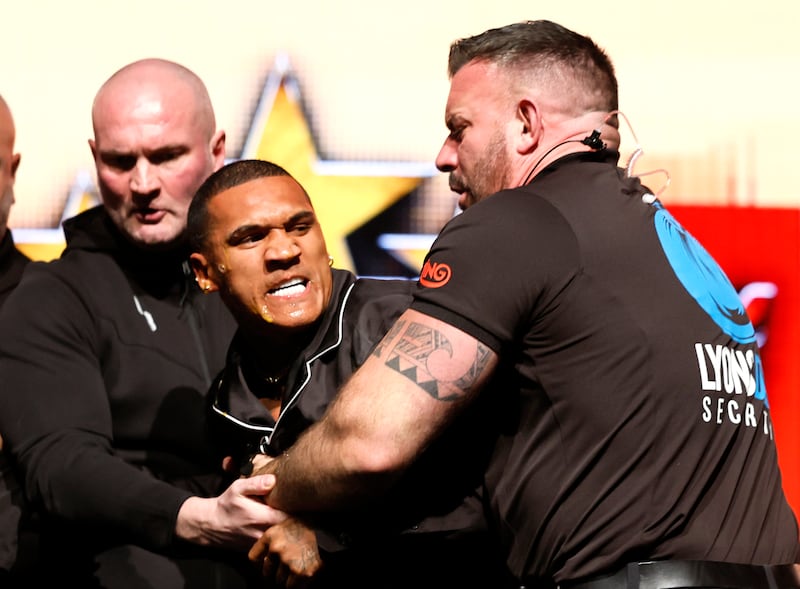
[762,245]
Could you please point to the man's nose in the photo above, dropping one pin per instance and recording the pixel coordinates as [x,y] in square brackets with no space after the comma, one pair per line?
[281,246]
[144,177]
[447,160]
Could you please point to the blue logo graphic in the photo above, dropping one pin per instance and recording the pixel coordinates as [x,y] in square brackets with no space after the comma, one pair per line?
[703,278]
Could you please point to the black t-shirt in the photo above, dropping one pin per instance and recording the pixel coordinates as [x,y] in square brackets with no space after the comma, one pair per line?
[639,428]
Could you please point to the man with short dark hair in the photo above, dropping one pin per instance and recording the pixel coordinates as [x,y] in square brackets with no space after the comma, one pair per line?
[304,328]
[636,446]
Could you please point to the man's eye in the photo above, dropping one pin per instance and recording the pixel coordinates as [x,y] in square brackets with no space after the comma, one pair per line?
[120,162]
[302,228]
[457,134]
[245,238]
[251,238]
[162,157]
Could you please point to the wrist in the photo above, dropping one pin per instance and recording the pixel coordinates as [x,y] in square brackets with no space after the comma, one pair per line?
[192,521]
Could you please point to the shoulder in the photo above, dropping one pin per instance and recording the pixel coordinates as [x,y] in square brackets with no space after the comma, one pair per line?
[46,301]
[505,224]
[65,290]
[80,270]
[378,287]
[378,301]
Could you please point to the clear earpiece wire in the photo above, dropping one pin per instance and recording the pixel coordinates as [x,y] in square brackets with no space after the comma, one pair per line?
[636,154]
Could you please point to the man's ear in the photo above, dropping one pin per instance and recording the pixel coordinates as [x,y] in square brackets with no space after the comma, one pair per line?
[217,146]
[200,266]
[93,147]
[530,127]
[15,164]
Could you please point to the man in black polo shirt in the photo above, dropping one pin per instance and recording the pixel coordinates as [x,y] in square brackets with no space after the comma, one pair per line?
[638,428]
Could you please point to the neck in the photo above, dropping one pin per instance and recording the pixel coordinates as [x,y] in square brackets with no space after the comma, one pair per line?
[266,362]
[567,136]
[270,354]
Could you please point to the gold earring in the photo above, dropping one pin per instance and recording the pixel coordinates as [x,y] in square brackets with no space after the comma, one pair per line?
[330,261]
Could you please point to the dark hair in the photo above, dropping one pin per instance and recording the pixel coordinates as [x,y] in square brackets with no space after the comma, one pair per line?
[542,45]
[228,176]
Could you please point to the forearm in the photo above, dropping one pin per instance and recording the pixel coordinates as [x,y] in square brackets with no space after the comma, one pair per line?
[316,476]
[81,484]
[420,376]
[359,447]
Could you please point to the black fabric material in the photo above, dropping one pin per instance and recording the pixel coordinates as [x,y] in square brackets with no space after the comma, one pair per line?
[637,427]
[12,265]
[431,531]
[18,531]
[693,573]
[106,359]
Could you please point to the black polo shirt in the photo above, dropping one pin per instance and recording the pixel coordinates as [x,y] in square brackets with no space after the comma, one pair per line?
[639,427]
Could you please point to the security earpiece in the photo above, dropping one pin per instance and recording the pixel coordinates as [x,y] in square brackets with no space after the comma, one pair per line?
[594,140]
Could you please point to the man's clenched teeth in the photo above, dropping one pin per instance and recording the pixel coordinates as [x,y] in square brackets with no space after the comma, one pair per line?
[293,287]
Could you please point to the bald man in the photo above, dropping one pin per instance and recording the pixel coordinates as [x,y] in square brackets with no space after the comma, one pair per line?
[12,261]
[111,352]
[13,558]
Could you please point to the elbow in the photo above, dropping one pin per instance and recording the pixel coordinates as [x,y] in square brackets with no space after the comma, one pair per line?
[377,459]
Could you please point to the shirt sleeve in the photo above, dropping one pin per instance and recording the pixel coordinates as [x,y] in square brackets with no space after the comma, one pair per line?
[55,418]
[496,268]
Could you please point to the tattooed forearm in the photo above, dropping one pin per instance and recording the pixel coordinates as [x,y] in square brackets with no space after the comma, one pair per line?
[426,356]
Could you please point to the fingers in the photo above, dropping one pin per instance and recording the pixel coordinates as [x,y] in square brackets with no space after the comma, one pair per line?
[280,574]
[259,550]
[287,555]
[297,582]
[269,563]
[269,567]
[259,461]
[243,510]
[228,465]
[256,485]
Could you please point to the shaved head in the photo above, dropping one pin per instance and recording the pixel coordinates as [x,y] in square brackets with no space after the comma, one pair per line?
[137,82]
[8,165]
[155,142]
[6,124]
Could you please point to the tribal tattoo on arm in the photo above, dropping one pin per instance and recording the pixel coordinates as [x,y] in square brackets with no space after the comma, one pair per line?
[426,356]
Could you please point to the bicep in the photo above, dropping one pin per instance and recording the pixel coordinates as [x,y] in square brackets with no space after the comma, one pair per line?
[419,377]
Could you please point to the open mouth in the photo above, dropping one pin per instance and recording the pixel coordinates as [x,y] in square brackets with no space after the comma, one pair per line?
[149,215]
[295,286]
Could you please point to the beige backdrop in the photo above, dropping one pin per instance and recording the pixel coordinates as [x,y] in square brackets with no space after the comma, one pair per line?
[709,86]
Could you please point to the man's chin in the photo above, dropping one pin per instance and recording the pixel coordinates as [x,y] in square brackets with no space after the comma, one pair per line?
[151,239]
[466,200]
[294,320]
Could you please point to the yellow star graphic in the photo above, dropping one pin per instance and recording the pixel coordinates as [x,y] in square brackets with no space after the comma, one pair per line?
[345,194]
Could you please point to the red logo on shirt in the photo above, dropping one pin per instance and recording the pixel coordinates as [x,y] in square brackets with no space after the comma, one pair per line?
[434,275]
